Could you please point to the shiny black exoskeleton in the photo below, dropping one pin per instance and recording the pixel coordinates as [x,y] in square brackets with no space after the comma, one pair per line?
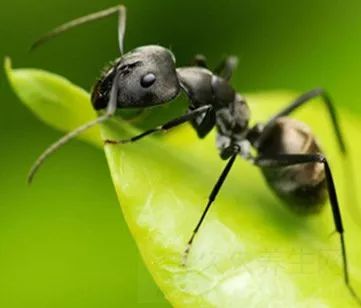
[287,152]
[226,109]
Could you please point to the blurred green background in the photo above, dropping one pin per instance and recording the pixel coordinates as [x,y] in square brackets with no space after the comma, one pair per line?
[63,242]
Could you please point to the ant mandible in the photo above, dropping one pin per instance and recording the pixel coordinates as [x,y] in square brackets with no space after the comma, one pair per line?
[288,154]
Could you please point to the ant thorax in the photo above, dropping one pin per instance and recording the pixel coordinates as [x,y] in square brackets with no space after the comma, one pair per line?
[230,113]
[232,123]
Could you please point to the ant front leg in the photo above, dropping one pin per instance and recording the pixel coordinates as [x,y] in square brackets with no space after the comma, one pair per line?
[284,160]
[300,101]
[203,123]
[166,126]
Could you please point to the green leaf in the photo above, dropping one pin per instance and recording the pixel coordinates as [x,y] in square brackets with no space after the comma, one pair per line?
[252,251]
[53,99]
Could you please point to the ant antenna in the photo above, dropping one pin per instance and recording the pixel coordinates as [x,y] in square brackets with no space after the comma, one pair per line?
[120,9]
[111,108]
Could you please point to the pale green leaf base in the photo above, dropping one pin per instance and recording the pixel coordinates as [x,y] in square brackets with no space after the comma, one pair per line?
[252,251]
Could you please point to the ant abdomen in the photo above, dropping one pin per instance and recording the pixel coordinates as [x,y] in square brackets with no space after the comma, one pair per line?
[302,186]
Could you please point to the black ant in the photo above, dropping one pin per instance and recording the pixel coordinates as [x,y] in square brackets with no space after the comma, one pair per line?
[288,154]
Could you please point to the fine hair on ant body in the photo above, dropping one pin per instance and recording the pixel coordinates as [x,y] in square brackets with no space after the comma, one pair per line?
[288,154]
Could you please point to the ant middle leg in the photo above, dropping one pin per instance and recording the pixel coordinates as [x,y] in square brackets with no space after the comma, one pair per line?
[232,152]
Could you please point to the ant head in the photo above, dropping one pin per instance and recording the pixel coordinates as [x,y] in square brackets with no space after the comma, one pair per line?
[146,77]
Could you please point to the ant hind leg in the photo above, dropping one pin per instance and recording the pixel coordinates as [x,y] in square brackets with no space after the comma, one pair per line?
[283,160]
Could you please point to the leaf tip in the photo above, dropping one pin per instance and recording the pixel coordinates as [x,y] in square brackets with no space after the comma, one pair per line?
[8,67]
[7,63]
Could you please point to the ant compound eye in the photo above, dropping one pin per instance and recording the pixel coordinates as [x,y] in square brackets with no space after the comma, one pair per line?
[147,80]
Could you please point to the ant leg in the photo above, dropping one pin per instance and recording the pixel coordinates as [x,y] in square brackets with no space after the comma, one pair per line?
[226,68]
[203,124]
[211,198]
[166,126]
[200,61]
[301,100]
[120,9]
[283,160]
[112,106]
